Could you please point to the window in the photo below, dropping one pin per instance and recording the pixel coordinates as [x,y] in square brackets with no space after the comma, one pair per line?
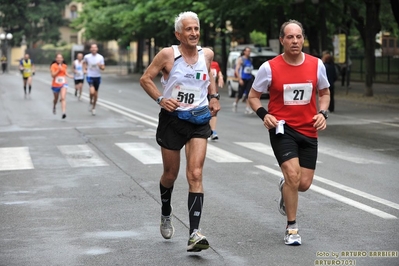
[74,12]
[391,43]
[73,39]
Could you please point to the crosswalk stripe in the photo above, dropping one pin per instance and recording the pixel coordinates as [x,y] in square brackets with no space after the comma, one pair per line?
[15,158]
[81,156]
[257,146]
[142,151]
[346,156]
[335,196]
[221,156]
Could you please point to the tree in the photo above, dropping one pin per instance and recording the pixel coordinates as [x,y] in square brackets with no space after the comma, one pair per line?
[368,28]
[395,10]
[38,20]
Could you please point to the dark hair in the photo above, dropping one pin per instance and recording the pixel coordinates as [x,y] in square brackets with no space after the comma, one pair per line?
[291,21]
[55,62]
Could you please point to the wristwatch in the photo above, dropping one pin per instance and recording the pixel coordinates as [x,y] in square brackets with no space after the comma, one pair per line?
[324,113]
[216,95]
[159,99]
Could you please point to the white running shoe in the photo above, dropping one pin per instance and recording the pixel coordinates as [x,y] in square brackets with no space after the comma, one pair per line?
[166,228]
[248,110]
[291,236]
[93,111]
[234,107]
[197,242]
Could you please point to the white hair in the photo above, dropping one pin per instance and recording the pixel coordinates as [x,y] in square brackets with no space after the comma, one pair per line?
[184,15]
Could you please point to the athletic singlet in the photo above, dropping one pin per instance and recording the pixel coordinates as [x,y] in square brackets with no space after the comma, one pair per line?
[27,72]
[93,70]
[60,79]
[292,90]
[79,68]
[246,68]
[187,83]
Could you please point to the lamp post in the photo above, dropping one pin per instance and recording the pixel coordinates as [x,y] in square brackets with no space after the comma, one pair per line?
[6,37]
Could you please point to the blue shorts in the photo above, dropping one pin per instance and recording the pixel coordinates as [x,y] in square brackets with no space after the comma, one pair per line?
[58,89]
[95,82]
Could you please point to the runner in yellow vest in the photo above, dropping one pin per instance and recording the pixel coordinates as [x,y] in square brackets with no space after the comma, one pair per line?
[28,70]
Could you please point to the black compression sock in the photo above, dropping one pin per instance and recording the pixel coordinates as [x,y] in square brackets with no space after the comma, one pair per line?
[166,198]
[30,88]
[195,201]
[25,89]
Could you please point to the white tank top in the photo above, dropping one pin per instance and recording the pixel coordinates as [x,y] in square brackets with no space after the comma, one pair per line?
[187,83]
[79,69]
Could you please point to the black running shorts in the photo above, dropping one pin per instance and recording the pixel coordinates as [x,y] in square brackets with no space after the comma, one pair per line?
[173,133]
[245,88]
[78,81]
[293,144]
[94,82]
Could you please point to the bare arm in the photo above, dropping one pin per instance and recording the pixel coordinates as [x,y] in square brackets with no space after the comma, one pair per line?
[55,71]
[324,101]
[84,66]
[163,61]
[238,65]
[269,121]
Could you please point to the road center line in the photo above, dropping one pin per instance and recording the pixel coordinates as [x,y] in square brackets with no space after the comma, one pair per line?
[338,197]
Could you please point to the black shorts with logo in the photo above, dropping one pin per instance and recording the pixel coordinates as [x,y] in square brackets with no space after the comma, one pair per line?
[293,144]
[173,133]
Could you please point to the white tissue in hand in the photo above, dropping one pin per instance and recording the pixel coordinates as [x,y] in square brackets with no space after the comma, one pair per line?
[280,127]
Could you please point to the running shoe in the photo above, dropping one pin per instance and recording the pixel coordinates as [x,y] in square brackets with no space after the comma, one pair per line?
[214,137]
[234,107]
[248,111]
[167,229]
[63,116]
[93,111]
[54,110]
[281,205]
[197,242]
[90,107]
[76,93]
[291,236]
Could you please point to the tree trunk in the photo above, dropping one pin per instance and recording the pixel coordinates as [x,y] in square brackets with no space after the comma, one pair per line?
[323,26]
[372,27]
[140,51]
[395,10]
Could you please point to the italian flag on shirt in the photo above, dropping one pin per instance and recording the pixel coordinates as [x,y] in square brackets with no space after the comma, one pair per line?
[201,76]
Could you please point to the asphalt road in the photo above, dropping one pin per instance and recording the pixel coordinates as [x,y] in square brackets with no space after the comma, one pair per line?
[85,190]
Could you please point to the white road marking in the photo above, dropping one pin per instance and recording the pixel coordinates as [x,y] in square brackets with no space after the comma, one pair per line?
[15,158]
[221,156]
[352,203]
[357,192]
[143,152]
[81,156]
[146,119]
[336,196]
[346,156]
[257,146]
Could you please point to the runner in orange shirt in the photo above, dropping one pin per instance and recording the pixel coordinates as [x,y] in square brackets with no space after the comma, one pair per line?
[59,85]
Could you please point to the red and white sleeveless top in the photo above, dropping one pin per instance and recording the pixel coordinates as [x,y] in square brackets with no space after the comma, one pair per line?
[292,90]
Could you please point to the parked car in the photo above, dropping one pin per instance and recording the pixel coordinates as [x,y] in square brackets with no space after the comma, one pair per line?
[259,55]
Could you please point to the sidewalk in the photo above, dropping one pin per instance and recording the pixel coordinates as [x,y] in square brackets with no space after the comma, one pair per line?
[384,94]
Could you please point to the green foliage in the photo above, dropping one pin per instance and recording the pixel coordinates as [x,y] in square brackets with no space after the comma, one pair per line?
[258,38]
[38,20]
